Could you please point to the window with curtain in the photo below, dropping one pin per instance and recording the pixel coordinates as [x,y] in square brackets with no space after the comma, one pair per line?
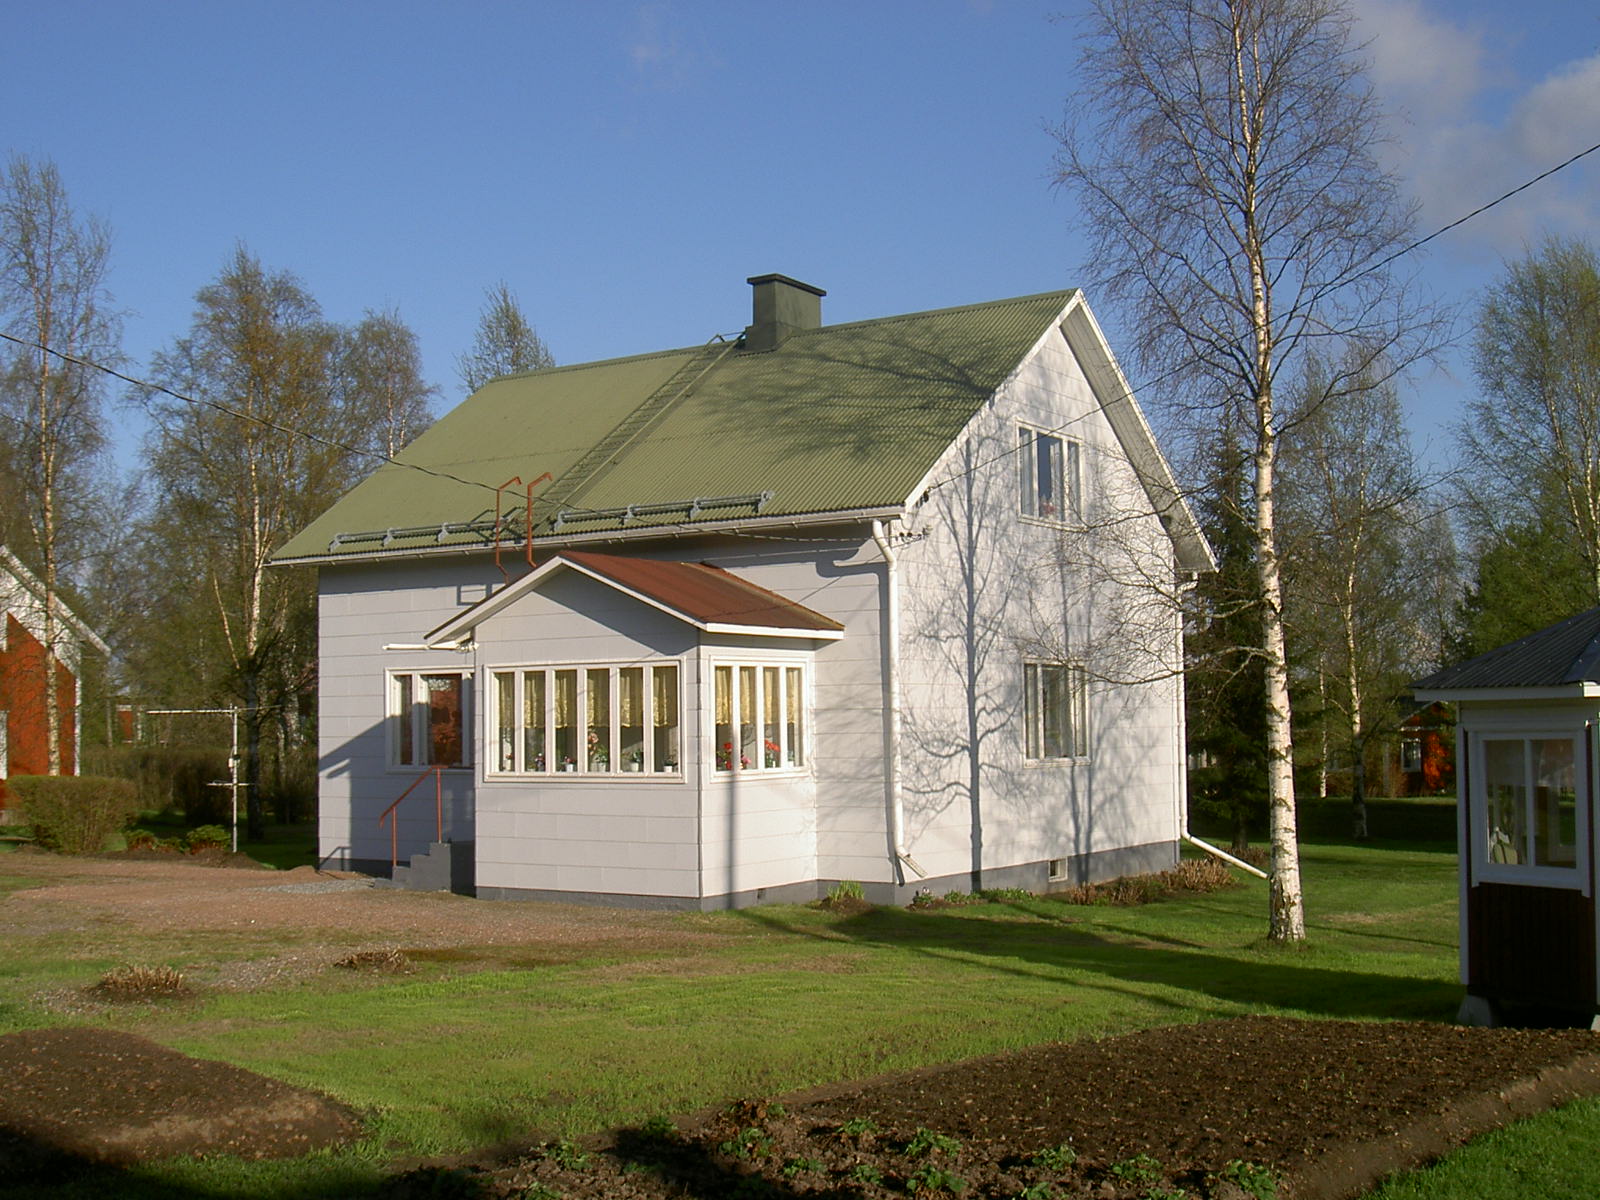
[588,720]
[759,722]
[1049,477]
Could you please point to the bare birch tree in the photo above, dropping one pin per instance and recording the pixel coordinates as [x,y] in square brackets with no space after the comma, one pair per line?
[383,364]
[505,342]
[53,300]
[1365,550]
[1222,153]
[233,482]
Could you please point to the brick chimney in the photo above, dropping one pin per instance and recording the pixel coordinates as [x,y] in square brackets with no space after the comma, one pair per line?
[780,306]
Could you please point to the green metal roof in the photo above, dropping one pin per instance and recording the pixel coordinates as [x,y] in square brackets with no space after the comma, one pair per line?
[836,419]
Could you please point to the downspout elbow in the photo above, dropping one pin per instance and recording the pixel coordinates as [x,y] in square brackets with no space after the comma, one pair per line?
[889,633]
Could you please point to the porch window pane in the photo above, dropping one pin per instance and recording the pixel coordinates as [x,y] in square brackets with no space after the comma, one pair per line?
[771,723]
[404,719]
[598,742]
[724,711]
[566,720]
[533,717]
[1053,712]
[444,719]
[505,721]
[794,699]
[1030,703]
[1506,788]
[749,752]
[630,718]
[664,717]
[1555,803]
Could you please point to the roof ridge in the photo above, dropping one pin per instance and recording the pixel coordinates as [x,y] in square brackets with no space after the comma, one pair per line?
[1063,293]
[566,368]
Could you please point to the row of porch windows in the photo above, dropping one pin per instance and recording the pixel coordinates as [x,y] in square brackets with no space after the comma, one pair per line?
[605,720]
[585,719]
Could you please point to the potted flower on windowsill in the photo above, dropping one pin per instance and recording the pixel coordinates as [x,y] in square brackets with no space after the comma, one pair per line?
[567,764]
[635,761]
[598,757]
[772,750]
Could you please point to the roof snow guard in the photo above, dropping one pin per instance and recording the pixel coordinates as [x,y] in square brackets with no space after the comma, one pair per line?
[483,528]
[756,501]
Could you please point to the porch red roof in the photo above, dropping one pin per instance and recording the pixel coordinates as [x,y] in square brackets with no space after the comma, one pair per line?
[704,594]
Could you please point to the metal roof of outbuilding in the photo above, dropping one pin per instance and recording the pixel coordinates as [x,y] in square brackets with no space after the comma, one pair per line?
[1563,655]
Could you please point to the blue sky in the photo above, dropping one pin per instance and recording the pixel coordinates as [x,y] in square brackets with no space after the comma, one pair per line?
[625,166]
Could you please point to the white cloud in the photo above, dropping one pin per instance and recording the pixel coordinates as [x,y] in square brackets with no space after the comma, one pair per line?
[1426,69]
[1468,129]
[664,56]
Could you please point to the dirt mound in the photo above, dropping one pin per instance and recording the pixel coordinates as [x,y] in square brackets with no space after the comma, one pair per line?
[103,1096]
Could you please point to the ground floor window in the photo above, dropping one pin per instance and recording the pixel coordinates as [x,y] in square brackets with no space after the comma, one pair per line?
[1055,711]
[760,716]
[428,718]
[1530,801]
[596,720]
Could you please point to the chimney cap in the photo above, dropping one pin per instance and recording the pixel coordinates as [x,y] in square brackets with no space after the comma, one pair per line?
[774,277]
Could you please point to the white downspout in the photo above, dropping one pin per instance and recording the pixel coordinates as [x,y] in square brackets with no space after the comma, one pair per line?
[1183,770]
[890,636]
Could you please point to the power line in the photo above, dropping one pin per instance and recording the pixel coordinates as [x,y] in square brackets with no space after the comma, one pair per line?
[334,444]
[1379,265]
[229,410]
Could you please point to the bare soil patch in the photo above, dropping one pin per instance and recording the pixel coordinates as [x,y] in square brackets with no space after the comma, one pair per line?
[1329,1107]
[101,1096]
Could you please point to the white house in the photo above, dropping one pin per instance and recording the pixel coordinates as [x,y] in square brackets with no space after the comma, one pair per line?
[887,601]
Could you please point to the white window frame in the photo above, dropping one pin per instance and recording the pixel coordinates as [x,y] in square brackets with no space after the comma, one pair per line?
[1485,868]
[728,761]
[1411,755]
[581,768]
[1033,711]
[1065,505]
[418,717]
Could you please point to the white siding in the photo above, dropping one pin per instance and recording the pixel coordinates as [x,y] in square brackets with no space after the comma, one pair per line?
[360,610]
[985,588]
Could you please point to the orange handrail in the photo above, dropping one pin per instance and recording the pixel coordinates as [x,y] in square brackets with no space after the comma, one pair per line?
[438,812]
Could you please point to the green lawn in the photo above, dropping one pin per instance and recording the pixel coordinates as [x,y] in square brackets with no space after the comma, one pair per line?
[470,1050]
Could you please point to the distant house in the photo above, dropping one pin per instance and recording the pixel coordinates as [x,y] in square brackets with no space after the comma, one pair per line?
[885,601]
[1527,745]
[26,669]
[1423,759]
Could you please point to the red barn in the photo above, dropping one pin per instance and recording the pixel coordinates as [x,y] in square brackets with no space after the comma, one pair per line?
[27,668]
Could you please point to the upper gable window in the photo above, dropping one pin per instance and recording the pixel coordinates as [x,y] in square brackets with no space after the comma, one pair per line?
[1049,475]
